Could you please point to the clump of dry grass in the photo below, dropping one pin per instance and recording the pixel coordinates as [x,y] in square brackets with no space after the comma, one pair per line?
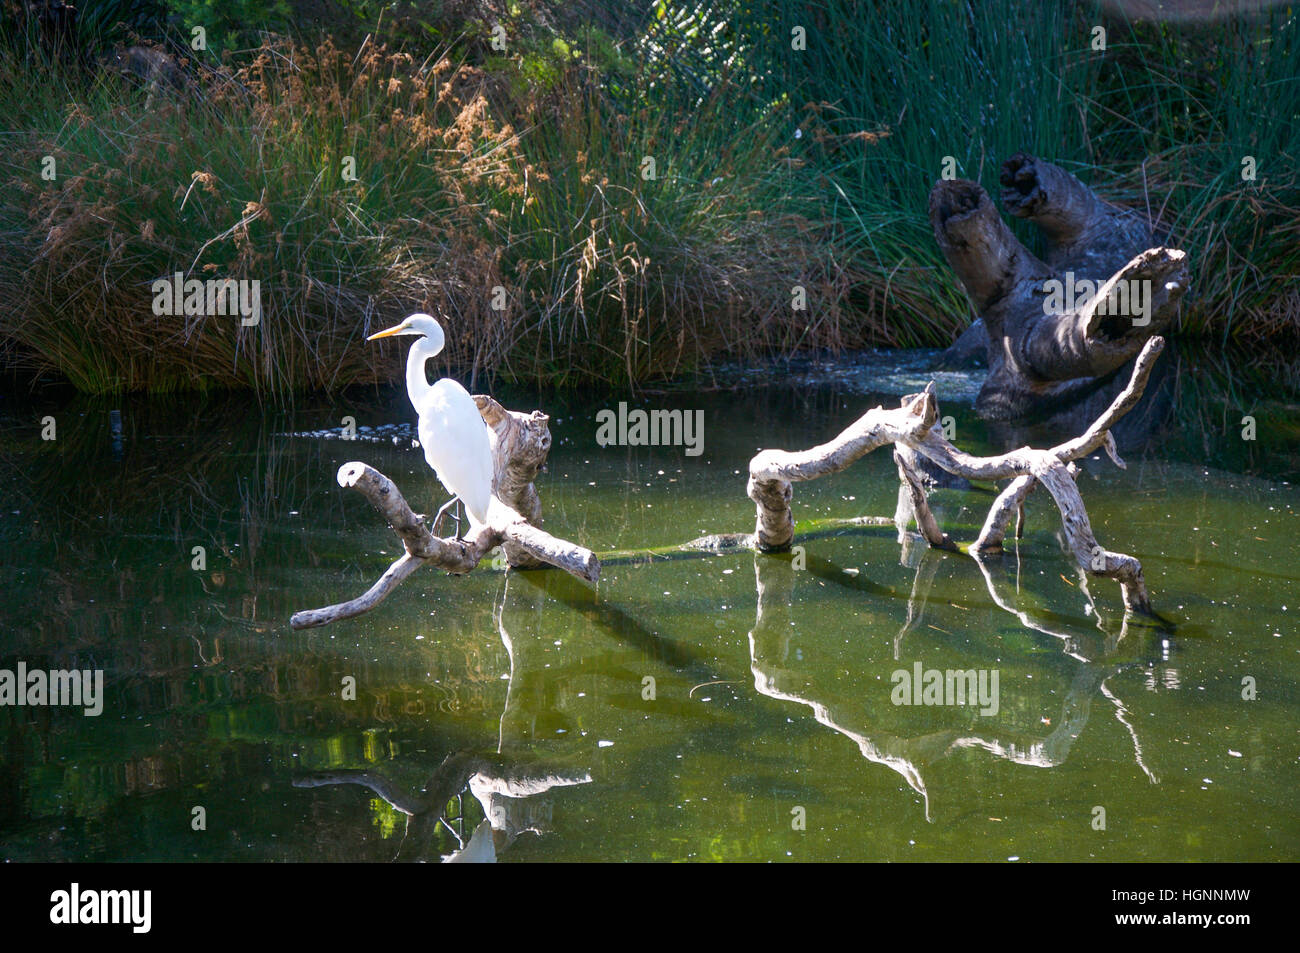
[246,178]
[604,274]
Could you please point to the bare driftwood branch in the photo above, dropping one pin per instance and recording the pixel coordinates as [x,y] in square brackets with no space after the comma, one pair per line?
[772,471]
[914,433]
[519,444]
[1010,502]
[905,458]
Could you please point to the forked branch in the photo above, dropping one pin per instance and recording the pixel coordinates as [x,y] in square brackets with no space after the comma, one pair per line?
[913,430]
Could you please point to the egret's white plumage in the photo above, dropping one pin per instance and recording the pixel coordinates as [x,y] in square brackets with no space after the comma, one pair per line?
[452,433]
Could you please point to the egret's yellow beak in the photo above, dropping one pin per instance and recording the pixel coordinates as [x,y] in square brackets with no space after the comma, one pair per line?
[388,333]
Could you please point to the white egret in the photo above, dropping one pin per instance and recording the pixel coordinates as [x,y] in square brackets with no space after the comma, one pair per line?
[453,434]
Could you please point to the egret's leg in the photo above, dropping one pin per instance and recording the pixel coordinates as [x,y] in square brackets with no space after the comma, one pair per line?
[438,518]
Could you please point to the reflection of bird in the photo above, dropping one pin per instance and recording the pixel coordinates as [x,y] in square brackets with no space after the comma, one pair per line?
[453,434]
[506,786]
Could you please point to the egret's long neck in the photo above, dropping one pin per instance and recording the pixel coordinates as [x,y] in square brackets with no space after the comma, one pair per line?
[417,385]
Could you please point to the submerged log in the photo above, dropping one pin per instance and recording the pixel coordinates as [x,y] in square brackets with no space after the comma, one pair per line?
[913,430]
[520,443]
[1051,354]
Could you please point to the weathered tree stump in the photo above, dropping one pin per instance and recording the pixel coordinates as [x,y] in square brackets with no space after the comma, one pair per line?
[1049,354]
[913,430]
[520,443]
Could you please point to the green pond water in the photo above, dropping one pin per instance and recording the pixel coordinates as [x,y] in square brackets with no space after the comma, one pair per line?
[692,706]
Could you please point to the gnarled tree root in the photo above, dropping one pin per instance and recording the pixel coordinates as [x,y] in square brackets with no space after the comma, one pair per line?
[913,431]
[1050,351]
[519,444]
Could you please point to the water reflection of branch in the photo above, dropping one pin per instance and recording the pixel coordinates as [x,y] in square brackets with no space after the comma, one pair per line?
[1113,639]
[769,645]
[1121,713]
[1030,619]
[1052,750]
[924,560]
[1036,620]
[910,756]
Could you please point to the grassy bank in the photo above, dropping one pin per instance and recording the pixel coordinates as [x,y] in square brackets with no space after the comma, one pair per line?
[508,190]
[1161,120]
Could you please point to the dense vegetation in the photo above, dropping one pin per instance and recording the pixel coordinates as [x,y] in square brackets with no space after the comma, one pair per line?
[477,165]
